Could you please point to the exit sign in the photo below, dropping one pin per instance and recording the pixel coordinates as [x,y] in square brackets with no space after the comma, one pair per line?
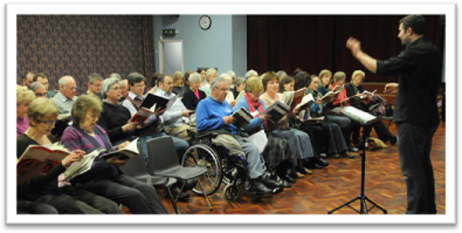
[169,32]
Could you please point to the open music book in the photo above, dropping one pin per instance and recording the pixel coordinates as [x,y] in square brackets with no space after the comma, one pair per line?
[277,110]
[364,118]
[242,117]
[150,104]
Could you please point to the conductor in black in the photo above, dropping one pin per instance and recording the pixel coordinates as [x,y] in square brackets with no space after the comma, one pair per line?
[419,67]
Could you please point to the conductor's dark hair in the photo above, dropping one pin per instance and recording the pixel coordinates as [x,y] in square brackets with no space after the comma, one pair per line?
[416,22]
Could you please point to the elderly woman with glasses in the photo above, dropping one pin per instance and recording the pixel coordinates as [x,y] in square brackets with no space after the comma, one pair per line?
[23,98]
[104,178]
[51,188]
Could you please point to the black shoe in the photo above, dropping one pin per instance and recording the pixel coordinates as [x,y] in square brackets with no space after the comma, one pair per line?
[259,188]
[353,149]
[286,184]
[184,196]
[393,141]
[190,184]
[347,154]
[287,178]
[270,183]
[334,156]
[322,162]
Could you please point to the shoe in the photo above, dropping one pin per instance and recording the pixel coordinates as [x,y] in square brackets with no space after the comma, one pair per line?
[270,183]
[286,184]
[313,165]
[259,188]
[334,156]
[304,170]
[323,155]
[322,162]
[184,196]
[190,184]
[347,154]
[393,141]
[287,178]
[353,148]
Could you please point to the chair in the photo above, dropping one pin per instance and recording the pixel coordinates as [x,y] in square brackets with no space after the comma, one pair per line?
[136,168]
[163,161]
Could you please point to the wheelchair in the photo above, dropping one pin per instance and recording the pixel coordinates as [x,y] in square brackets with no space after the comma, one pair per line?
[222,167]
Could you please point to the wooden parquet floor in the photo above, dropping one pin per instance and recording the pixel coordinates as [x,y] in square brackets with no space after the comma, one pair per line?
[332,186]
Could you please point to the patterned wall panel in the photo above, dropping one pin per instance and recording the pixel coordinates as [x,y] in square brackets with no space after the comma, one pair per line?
[78,45]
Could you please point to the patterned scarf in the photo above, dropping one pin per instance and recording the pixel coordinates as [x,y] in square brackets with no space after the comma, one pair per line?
[253,106]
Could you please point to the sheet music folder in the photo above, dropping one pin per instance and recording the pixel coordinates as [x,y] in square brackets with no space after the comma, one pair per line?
[364,118]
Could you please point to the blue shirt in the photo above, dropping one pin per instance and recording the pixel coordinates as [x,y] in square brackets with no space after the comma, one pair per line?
[210,113]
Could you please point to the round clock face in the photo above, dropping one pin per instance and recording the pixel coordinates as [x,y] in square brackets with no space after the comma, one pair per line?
[205,22]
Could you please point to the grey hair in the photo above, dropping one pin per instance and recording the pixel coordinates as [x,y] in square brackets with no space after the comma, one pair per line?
[194,77]
[251,73]
[93,77]
[226,76]
[239,80]
[63,80]
[106,85]
[115,75]
[216,82]
[280,74]
[231,73]
[36,85]
[210,71]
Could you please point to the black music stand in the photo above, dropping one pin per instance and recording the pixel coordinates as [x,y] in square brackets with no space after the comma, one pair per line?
[361,197]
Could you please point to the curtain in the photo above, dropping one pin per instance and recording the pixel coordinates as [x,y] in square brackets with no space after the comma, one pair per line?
[79,45]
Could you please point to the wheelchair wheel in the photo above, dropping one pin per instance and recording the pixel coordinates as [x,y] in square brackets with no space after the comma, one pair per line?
[231,192]
[231,170]
[204,156]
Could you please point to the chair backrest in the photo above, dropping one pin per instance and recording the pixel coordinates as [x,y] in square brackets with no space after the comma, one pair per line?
[135,166]
[162,154]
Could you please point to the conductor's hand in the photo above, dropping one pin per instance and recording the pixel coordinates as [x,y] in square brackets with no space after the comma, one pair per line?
[355,46]
[228,120]
[391,88]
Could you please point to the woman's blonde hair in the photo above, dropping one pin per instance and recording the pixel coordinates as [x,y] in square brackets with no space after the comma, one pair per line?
[41,109]
[253,85]
[324,73]
[177,75]
[82,105]
[356,73]
[24,95]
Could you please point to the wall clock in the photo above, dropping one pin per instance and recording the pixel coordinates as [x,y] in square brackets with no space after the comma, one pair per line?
[205,22]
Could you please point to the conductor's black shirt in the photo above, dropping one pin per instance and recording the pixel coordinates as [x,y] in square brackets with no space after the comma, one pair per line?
[419,67]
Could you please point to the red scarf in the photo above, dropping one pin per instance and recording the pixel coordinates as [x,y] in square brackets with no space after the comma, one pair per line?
[253,106]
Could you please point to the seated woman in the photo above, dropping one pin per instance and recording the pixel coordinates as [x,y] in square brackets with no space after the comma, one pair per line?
[299,141]
[336,144]
[23,98]
[104,178]
[382,132]
[324,81]
[354,88]
[239,85]
[319,133]
[50,188]
[178,84]
[277,152]
[193,95]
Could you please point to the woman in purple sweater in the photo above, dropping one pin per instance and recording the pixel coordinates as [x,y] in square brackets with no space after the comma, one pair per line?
[104,177]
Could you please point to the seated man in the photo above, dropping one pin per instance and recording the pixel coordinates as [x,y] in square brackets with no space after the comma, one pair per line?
[94,85]
[175,120]
[41,77]
[213,114]
[27,79]
[151,129]
[66,95]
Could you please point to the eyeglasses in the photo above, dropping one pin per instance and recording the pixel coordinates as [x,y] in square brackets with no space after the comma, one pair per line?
[93,115]
[139,86]
[224,89]
[72,88]
[38,94]
[48,122]
[115,88]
